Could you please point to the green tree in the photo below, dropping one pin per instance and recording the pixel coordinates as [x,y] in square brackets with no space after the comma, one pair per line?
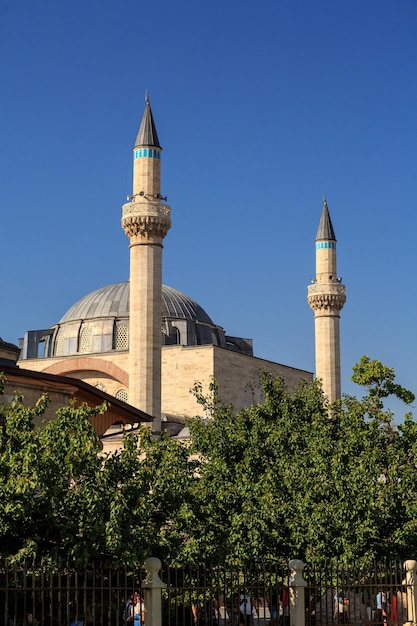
[292,477]
[286,477]
[149,489]
[61,497]
[19,489]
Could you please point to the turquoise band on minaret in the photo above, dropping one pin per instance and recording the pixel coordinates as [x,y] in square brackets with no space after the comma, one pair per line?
[147,152]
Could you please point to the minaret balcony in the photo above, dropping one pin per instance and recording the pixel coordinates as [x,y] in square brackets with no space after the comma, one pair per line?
[330,288]
[151,209]
[147,220]
[328,296]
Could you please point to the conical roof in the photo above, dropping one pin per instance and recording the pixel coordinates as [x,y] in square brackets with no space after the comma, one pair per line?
[325,230]
[147,135]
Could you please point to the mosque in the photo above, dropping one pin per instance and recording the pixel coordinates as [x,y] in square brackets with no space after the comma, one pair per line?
[146,344]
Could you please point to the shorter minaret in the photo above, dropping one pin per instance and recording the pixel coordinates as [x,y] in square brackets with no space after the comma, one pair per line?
[146,220]
[326,296]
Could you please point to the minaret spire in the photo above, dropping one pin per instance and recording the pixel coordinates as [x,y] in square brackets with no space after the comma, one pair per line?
[146,221]
[326,296]
[325,230]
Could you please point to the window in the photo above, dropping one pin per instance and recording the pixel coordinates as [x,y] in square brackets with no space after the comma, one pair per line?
[122,395]
[86,339]
[173,339]
[175,335]
[122,337]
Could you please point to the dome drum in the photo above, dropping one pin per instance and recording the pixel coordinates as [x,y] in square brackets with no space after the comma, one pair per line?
[99,323]
[90,336]
[191,333]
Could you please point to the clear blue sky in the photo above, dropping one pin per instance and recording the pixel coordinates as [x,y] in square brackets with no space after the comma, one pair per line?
[261,108]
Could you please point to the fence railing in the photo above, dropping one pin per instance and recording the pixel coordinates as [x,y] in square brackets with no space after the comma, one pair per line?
[263,594]
[54,595]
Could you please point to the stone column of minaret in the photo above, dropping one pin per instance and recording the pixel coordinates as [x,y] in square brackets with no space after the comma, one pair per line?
[146,221]
[326,296]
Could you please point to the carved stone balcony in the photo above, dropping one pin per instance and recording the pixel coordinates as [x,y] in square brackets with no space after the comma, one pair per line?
[155,209]
[146,219]
[329,297]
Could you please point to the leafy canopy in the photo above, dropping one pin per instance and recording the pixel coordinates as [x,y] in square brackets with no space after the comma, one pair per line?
[289,477]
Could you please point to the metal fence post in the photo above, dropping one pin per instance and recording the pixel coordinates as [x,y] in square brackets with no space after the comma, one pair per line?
[152,591]
[297,586]
[411,582]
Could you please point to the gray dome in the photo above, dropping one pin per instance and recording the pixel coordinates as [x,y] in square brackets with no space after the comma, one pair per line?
[99,323]
[113,301]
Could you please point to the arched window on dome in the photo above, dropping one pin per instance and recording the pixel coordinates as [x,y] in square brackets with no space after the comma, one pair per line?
[121,339]
[175,337]
[122,395]
[171,336]
[86,339]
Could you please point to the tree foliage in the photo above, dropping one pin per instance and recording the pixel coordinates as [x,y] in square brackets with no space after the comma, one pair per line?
[289,477]
[59,496]
[292,476]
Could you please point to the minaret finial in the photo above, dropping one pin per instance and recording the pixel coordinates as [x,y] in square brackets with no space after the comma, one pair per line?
[147,97]
[324,199]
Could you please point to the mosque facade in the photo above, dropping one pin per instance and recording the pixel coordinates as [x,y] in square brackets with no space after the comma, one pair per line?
[147,344]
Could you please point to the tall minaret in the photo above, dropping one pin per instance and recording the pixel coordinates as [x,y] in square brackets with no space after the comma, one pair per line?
[146,221]
[326,296]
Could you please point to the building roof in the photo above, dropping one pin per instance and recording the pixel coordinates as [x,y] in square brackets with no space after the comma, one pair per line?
[147,135]
[113,301]
[9,346]
[9,353]
[325,230]
[117,411]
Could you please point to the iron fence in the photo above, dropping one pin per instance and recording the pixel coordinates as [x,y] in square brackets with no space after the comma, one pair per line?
[219,595]
[41,594]
[356,594]
[205,595]
[216,595]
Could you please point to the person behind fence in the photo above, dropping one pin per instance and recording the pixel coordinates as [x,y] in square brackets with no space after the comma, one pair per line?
[128,611]
[209,614]
[381,608]
[310,607]
[285,604]
[392,604]
[341,607]
[84,619]
[245,610]
[280,605]
[138,609]
[367,600]
[234,611]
